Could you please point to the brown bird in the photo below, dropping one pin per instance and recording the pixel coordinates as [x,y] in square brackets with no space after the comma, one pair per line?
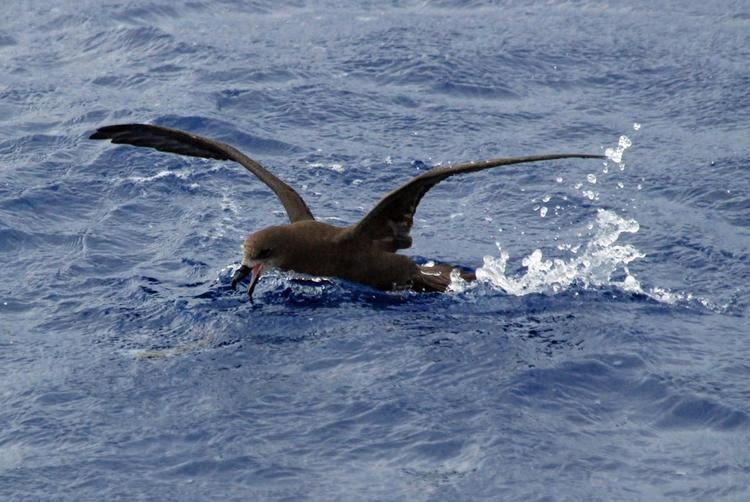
[364,252]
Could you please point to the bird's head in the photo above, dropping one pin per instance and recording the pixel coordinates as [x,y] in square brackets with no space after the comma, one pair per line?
[261,250]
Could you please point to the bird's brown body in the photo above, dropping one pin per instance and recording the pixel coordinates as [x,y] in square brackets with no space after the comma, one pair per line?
[365,252]
[325,250]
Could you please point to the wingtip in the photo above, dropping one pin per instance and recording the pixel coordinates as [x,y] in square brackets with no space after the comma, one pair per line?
[109,132]
[98,134]
[588,156]
[106,132]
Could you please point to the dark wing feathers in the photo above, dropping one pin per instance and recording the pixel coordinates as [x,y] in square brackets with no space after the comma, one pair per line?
[387,226]
[183,143]
[389,223]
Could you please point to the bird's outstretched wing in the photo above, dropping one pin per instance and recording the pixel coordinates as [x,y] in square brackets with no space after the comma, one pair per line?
[184,143]
[388,224]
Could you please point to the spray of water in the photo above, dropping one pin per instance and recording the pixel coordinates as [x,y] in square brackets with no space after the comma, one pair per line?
[594,266]
[600,261]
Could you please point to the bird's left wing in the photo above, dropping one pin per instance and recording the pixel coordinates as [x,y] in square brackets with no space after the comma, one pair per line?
[389,223]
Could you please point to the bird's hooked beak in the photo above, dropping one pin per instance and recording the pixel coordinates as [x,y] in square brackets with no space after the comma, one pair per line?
[243,272]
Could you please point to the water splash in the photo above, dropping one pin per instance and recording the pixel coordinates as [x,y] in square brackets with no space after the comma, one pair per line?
[601,262]
[600,259]
[458,284]
[598,262]
[615,154]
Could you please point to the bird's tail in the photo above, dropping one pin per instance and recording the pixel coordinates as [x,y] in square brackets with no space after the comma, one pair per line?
[437,277]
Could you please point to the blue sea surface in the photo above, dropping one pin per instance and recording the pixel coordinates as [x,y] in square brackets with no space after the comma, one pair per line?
[603,354]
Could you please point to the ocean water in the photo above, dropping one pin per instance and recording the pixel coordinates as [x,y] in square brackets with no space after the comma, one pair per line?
[602,354]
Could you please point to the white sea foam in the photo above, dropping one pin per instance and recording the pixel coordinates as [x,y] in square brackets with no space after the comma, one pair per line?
[229,210]
[663,295]
[182,174]
[339,168]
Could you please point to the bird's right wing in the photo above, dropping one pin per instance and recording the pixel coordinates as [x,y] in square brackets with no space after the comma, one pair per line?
[170,140]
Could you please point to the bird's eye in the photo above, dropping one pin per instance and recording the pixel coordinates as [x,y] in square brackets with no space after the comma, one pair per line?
[263,254]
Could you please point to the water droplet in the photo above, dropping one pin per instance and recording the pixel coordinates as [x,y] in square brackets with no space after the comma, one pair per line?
[543,212]
[591,178]
[636,126]
[590,194]
[615,154]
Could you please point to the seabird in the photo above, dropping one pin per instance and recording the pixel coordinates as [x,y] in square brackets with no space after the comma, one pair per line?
[364,252]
